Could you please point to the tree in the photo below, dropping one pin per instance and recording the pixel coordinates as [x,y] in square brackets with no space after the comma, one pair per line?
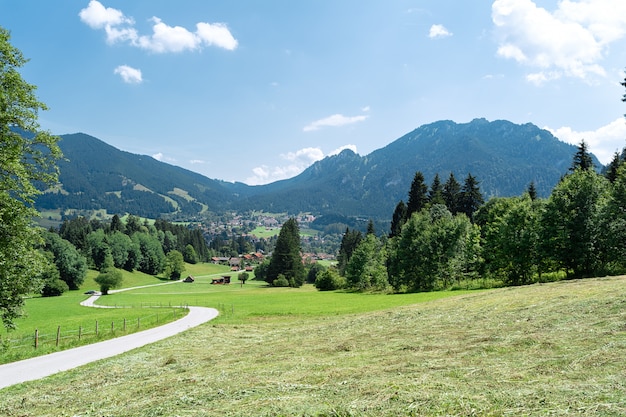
[71,265]
[190,254]
[511,238]
[119,246]
[286,259]
[582,158]
[398,219]
[418,195]
[53,285]
[371,230]
[435,195]
[329,280]
[611,171]
[27,157]
[109,278]
[571,226]
[366,269]
[532,191]
[152,258]
[174,264]
[243,277]
[613,225]
[349,242]
[260,272]
[117,225]
[451,192]
[314,271]
[434,248]
[470,198]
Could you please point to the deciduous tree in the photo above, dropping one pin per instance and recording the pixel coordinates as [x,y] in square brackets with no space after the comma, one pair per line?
[27,156]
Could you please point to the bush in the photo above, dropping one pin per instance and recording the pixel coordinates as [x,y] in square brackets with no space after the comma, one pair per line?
[281,281]
[54,288]
[330,280]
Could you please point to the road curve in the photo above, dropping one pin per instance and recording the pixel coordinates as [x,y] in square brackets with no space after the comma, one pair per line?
[42,366]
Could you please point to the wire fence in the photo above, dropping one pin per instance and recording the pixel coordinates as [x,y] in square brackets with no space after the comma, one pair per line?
[100,329]
[36,342]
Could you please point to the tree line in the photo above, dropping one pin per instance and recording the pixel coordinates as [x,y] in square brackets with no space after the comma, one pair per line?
[80,244]
[447,236]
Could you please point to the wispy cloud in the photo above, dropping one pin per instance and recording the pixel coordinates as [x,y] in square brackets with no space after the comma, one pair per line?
[297,162]
[438,31]
[164,38]
[130,75]
[336,120]
[603,142]
[570,41]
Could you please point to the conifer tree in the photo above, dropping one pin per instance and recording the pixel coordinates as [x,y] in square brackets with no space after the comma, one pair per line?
[470,198]
[435,195]
[532,191]
[451,193]
[611,171]
[418,195]
[582,158]
[286,259]
[398,219]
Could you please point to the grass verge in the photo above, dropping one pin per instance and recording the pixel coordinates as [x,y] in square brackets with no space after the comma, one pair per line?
[554,349]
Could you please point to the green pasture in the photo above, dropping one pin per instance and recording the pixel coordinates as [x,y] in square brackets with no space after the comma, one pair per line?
[64,314]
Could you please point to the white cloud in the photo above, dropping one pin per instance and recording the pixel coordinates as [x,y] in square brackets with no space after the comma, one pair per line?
[164,38]
[130,75]
[603,142]
[158,156]
[335,120]
[298,161]
[197,161]
[99,17]
[342,148]
[438,31]
[304,155]
[571,41]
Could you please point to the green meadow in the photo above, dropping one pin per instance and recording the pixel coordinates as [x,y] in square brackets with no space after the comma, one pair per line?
[555,349]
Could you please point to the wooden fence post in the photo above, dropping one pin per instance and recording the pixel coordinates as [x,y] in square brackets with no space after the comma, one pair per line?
[58,334]
[80,331]
[96,327]
[36,338]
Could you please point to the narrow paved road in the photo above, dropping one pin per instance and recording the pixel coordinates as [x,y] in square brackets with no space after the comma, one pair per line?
[42,366]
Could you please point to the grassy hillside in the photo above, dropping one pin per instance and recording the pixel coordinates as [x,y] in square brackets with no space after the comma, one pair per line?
[552,349]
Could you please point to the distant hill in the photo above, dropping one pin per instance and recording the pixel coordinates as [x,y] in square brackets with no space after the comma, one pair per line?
[503,156]
[95,175]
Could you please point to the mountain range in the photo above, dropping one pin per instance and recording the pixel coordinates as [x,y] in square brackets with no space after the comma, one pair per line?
[503,156]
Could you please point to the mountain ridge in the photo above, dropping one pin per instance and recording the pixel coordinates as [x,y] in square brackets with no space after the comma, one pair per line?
[505,157]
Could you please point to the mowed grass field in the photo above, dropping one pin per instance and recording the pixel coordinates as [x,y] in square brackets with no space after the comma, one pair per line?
[555,349]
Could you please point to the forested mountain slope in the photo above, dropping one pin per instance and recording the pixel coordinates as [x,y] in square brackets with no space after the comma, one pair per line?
[503,156]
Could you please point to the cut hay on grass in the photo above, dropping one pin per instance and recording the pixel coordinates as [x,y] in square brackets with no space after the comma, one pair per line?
[556,349]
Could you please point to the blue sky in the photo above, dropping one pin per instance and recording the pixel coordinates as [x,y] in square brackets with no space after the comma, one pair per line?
[256,91]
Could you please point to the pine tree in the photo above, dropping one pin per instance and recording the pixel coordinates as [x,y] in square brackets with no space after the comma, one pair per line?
[349,242]
[418,195]
[398,219]
[532,191]
[582,158]
[611,171]
[286,259]
[435,195]
[451,194]
[470,198]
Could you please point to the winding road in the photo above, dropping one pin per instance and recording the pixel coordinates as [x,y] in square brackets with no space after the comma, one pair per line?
[42,366]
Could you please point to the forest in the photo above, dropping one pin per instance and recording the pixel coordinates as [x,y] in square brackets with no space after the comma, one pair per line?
[447,237]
